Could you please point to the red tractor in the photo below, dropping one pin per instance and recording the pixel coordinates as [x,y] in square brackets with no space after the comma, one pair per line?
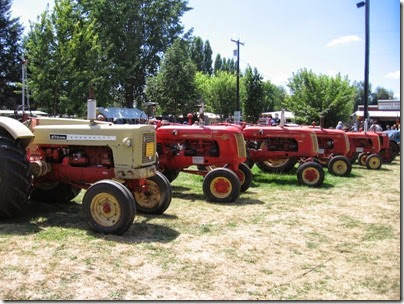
[278,149]
[388,150]
[333,148]
[365,147]
[218,152]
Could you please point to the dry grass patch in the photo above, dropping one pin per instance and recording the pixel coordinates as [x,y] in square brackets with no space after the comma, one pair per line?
[280,241]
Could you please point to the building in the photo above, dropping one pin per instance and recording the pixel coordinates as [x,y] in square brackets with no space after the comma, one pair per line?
[386,113]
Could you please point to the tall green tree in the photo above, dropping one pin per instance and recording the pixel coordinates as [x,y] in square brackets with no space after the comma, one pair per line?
[274,97]
[64,60]
[360,92]
[197,53]
[218,64]
[10,54]
[207,58]
[254,102]
[174,86]
[135,34]
[381,93]
[219,92]
[313,95]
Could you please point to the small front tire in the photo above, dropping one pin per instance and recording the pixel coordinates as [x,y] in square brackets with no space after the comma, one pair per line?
[108,207]
[374,162]
[310,174]
[221,185]
[362,158]
[339,166]
[157,198]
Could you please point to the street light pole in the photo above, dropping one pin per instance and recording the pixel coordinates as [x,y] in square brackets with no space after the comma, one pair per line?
[366,3]
[238,74]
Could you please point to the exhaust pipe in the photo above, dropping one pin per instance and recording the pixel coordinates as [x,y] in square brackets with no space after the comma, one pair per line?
[282,122]
[91,106]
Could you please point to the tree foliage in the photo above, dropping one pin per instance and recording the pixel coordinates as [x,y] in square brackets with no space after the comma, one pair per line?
[274,97]
[373,97]
[219,92]
[10,54]
[254,99]
[313,95]
[201,55]
[64,55]
[135,34]
[174,86]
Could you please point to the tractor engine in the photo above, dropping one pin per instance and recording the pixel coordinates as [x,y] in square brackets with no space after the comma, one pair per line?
[282,144]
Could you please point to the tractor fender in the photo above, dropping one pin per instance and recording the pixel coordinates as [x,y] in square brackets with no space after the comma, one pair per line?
[17,130]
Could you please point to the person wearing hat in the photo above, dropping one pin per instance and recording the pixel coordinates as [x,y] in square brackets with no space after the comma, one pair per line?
[339,126]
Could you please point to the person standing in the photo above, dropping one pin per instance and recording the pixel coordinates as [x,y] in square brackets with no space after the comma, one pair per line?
[339,126]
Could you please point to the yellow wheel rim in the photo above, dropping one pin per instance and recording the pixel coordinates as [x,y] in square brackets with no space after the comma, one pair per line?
[340,167]
[221,187]
[150,198]
[362,160]
[105,210]
[276,162]
[310,176]
[374,162]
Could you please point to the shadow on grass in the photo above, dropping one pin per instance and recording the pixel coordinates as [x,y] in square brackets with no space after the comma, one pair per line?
[288,182]
[36,217]
[383,168]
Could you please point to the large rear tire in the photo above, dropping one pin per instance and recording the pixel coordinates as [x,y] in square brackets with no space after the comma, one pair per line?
[221,185]
[277,165]
[310,174]
[157,198]
[15,176]
[339,166]
[171,175]
[108,207]
[387,155]
[54,193]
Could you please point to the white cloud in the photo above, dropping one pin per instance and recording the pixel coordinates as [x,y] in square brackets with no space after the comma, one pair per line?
[343,40]
[393,75]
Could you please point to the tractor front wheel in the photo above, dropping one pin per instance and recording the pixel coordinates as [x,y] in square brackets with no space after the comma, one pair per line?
[245,176]
[15,176]
[108,207]
[54,193]
[362,158]
[221,185]
[340,166]
[373,162]
[310,174]
[157,197]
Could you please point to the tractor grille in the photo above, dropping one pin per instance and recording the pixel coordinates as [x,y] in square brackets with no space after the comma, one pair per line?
[148,148]
[314,142]
[241,150]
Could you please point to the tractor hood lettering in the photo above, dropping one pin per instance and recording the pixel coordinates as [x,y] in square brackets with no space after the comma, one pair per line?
[204,136]
[73,137]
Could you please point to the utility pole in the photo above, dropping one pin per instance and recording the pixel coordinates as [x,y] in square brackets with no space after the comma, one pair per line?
[366,3]
[237,112]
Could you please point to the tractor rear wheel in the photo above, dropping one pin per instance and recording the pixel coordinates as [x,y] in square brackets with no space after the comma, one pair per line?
[353,158]
[157,197]
[246,179]
[373,162]
[277,165]
[340,166]
[15,176]
[108,207]
[171,175]
[249,163]
[221,185]
[54,193]
[310,174]
[362,158]
[387,155]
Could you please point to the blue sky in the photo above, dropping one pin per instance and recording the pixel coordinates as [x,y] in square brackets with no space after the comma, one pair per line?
[282,36]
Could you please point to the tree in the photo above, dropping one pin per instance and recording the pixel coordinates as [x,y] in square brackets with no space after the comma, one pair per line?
[197,53]
[218,92]
[359,93]
[218,64]
[10,54]
[174,86]
[64,60]
[207,58]
[381,93]
[274,97]
[313,95]
[135,34]
[254,102]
